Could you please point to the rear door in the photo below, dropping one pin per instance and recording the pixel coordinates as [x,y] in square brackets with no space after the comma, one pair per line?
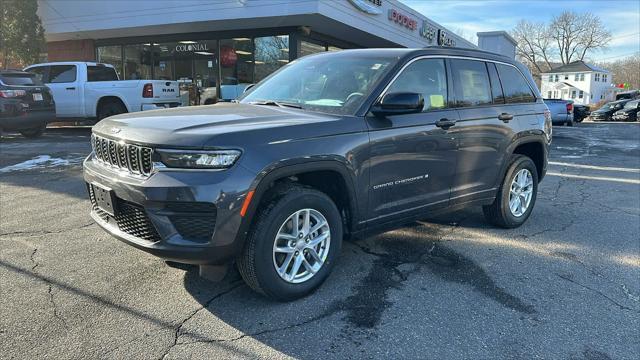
[64,84]
[412,160]
[484,131]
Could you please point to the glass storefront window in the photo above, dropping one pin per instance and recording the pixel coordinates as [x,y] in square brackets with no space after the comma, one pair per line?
[163,61]
[236,61]
[272,52]
[111,55]
[137,61]
[308,48]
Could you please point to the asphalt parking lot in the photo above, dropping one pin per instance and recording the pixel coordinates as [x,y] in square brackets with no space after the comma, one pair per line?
[566,285]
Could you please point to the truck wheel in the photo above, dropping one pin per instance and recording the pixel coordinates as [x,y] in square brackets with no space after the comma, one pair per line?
[35,132]
[109,109]
[516,196]
[570,123]
[293,244]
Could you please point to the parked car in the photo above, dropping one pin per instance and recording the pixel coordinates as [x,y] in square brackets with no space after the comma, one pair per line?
[605,113]
[628,95]
[26,105]
[332,145]
[93,91]
[561,111]
[580,112]
[209,95]
[629,112]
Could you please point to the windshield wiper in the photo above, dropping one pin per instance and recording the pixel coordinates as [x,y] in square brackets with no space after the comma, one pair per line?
[276,103]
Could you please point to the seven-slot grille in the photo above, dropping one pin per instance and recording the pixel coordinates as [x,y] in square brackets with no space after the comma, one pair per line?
[128,157]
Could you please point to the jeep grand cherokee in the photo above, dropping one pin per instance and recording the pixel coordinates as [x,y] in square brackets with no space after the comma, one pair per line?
[332,145]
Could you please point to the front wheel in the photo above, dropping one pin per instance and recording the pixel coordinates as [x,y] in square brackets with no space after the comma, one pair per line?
[516,196]
[293,244]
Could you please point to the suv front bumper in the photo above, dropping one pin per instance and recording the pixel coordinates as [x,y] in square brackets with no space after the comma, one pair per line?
[187,216]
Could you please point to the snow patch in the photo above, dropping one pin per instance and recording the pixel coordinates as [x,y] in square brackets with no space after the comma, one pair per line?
[41,161]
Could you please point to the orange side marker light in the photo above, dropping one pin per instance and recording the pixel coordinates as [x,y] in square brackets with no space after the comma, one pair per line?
[245,204]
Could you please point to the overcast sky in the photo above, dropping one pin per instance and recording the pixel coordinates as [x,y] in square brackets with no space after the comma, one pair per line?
[622,17]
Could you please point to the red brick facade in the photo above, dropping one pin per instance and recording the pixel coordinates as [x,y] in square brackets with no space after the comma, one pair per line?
[71,50]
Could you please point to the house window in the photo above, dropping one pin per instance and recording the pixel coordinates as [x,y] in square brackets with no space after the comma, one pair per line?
[549,95]
[597,77]
[604,77]
[581,94]
[581,77]
[556,78]
[555,94]
[566,76]
[577,77]
[573,94]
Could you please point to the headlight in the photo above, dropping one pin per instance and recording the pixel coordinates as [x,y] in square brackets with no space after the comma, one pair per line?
[198,159]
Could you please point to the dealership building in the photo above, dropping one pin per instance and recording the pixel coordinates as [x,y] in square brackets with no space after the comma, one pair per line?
[236,41]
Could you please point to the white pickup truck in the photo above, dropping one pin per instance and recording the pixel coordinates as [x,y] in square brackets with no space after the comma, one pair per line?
[88,91]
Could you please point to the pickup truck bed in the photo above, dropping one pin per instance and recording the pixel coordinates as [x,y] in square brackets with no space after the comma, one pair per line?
[561,111]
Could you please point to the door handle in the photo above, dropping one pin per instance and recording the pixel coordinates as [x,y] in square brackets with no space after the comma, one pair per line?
[71,88]
[445,123]
[506,117]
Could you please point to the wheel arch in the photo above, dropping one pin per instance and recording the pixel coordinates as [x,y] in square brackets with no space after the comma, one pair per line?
[535,149]
[340,188]
[109,99]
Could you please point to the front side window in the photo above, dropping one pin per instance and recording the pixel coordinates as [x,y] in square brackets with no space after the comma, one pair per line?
[515,86]
[331,82]
[40,73]
[427,77]
[62,73]
[471,82]
[101,73]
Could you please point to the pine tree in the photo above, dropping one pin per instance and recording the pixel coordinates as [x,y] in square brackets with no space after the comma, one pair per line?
[21,32]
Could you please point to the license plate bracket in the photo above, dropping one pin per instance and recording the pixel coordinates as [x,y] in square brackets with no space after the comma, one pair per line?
[105,198]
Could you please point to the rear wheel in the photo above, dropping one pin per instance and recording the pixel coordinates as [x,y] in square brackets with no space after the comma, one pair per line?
[516,196]
[293,244]
[570,123]
[35,132]
[110,108]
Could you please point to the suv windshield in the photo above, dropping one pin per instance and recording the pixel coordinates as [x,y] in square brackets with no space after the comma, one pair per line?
[332,83]
[19,79]
[631,104]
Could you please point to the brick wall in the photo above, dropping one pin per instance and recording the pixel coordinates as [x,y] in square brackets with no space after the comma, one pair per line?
[71,50]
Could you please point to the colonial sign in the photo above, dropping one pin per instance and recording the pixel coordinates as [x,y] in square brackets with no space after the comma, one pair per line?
[402,19]
[192,47]
[371,7]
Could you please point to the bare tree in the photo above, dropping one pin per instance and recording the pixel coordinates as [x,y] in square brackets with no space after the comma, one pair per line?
[625,70]
[535,45]
[577,34]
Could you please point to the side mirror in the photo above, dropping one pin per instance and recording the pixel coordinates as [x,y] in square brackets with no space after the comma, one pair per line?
[399,103]
[248,88]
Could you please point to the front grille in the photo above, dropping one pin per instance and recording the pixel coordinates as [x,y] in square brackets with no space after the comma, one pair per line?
[127,157]
[131,218]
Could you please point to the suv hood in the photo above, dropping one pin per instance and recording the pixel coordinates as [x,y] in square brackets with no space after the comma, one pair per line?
[196,126]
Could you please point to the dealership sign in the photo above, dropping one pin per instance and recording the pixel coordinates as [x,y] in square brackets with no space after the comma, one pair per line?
[371,7]
[192,47]
[403,19]
[440,36]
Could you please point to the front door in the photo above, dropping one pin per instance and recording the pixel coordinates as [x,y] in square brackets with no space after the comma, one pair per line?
[66,90]
[412,161]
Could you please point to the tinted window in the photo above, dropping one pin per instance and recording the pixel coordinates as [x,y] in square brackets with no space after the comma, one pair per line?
[471,82]
[19,79]
[101,73]
[516,89]
[496,87]
[427,77]
[62,73]
[40,73]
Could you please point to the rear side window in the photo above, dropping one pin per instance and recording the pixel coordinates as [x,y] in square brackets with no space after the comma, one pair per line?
[101,73]
[62,73]
[471,83]
[496,87]
[427,77]
[516,89]
[19,79]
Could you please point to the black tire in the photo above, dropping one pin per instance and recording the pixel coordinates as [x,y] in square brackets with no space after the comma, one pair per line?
[110,108]
[570,123]
[255,263]
[210,101]
[499,213]
[35,132]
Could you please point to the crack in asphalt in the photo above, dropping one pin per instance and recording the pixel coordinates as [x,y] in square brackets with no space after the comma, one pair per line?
[622,307]
[46,232]
[33,260]
[178,327]
[54,306]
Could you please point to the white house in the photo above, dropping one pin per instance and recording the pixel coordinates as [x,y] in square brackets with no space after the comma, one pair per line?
[578,81]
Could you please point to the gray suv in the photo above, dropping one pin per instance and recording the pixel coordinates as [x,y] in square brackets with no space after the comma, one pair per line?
[331,146]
